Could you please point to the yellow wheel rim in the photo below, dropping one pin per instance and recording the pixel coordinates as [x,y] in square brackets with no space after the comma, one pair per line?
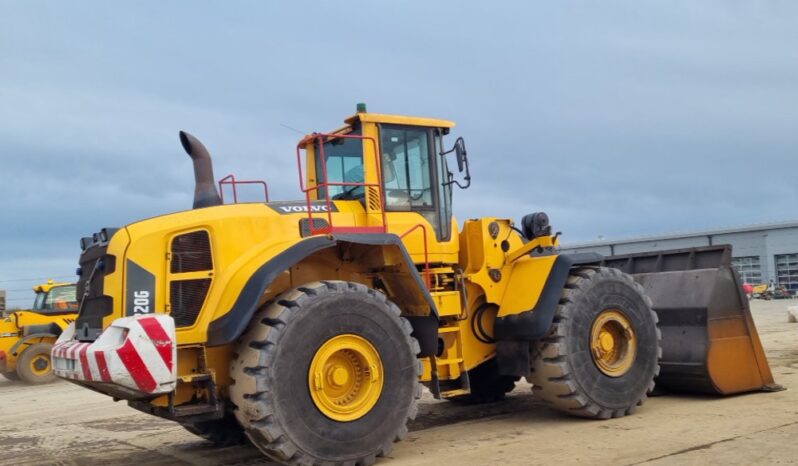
[40,364]
[345,377]
[613,343]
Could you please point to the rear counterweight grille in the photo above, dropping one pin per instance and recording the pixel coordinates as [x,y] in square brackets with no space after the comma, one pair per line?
[191,253]
[186,298]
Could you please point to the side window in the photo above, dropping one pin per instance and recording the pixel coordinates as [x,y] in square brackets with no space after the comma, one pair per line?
[444,190]
[343,158]
[407,171]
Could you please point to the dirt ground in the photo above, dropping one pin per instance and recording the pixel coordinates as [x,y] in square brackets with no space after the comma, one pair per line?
[62,424]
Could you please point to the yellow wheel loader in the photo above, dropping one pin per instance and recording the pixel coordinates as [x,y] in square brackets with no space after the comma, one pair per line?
[27,336]
[310,327]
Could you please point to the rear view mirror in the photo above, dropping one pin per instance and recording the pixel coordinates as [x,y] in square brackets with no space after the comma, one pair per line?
[460,153]
[462,163]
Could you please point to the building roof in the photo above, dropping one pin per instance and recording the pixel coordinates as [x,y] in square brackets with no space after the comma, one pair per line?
[689,234]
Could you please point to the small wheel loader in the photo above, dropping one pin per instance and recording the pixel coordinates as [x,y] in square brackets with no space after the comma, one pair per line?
[310,327]
[27,336]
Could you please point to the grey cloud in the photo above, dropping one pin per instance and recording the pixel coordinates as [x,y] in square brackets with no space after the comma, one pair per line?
[618,119]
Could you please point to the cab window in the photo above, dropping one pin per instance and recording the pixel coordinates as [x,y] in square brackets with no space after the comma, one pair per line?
[59,298]
[38,303]
[343,158]
[407,171]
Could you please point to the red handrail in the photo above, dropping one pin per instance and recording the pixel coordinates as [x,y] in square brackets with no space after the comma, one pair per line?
[426,252]
[326,184]
[231,180]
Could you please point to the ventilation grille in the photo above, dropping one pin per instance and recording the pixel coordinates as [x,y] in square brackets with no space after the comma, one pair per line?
[191,252]
[186,298]
[374,199]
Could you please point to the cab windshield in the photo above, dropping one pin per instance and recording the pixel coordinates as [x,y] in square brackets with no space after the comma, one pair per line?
[59,298]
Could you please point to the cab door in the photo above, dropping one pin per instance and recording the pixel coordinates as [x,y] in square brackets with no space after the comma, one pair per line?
[414,193]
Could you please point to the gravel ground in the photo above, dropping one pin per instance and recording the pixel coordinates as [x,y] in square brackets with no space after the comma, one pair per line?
[66,425]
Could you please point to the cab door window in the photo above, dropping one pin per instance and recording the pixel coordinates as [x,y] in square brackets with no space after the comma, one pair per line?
[407,171]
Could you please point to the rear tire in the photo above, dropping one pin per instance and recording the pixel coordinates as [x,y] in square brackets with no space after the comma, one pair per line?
[13,376]
[34,365]
[225,432]
[273,372]
[567,369]
[487,386]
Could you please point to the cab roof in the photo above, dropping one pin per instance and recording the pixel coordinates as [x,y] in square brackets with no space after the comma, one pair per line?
[399,120]
[366,117]
[46,287]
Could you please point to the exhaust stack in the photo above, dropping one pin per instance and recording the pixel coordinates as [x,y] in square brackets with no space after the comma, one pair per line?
[205,194]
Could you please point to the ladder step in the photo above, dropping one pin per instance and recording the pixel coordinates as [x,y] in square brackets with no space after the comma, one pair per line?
[449,361]
[448,329]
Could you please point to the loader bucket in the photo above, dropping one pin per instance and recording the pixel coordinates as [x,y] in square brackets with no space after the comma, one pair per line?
[709,341]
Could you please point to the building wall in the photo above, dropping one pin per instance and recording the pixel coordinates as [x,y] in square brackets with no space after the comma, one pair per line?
[765,244]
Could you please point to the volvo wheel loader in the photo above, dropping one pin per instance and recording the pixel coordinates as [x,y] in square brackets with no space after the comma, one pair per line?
[310,327]
[27,336]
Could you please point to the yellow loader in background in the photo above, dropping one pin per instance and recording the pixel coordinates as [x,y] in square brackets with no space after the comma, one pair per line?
[309,327]
[27,336]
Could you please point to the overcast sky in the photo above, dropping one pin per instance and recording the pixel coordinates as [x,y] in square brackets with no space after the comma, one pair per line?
[617,118]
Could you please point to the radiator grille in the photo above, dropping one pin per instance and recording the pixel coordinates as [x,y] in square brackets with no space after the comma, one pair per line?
[186,298]
[191,252]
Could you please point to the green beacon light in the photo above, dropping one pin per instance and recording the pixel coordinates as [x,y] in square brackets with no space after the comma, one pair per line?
[361,108]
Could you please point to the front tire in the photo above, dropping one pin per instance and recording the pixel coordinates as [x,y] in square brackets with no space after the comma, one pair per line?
[327,373]
[34,365]
[601,356]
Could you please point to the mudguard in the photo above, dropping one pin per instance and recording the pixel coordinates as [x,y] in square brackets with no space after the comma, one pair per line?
[527,310]
[233,323]
[529,314]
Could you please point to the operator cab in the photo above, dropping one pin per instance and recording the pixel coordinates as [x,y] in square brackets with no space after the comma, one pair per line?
[411,173]
[55,298]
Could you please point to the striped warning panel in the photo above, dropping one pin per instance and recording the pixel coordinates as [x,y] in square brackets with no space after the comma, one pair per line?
[137,353]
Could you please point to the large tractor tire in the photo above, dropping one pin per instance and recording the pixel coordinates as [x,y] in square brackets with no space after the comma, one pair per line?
[35,365]
[601,356]
[13,376]
[225,432]
[487,385]
[328,374]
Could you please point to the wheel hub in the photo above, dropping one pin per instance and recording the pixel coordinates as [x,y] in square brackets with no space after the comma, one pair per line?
[613,343]
[345,377]
[40,364]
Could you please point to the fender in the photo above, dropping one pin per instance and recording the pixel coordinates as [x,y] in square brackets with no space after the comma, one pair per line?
[34,332]
[232,324]
[534,322]
[514,331]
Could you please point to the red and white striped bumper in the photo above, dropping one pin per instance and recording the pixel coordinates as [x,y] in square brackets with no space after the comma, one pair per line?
[134,358]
